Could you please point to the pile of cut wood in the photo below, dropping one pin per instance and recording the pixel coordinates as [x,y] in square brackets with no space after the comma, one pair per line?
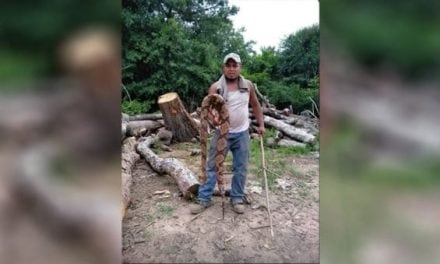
[174,123]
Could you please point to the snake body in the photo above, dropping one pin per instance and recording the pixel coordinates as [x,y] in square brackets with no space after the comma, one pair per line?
[217,103]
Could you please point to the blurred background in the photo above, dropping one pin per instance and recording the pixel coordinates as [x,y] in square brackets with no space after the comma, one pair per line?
[59,127]
[380,147]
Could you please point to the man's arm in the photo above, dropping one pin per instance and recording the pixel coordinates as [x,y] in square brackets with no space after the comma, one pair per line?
[212,89]
[256,108]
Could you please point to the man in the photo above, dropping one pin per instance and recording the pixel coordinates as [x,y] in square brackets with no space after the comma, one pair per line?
[238,94]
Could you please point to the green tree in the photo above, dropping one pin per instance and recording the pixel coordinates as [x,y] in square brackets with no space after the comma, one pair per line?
[261,68]
[299,57]
[176,46]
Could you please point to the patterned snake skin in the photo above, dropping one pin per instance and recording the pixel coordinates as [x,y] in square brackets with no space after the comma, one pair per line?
[214,102]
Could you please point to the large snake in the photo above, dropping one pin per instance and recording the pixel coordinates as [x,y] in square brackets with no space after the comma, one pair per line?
[217,103]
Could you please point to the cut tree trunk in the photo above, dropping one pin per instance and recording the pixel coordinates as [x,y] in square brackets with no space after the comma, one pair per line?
[155,116]
[290,143]
[139,128]
[129,158]
[164,136]
[177,118]
[124,126]
[186,180]
[272,112]
[290,131]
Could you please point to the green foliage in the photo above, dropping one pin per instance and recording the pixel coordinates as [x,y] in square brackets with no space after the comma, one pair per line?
[299,56]
[299,98]
[135,107]
[275,158]
[176,46]
[261,69]
[402,36]
[289,76]
[31,32]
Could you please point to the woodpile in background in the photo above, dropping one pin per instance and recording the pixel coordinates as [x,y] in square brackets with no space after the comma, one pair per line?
[291,129]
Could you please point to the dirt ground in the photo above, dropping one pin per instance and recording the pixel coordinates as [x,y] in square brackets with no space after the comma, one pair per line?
[158,228]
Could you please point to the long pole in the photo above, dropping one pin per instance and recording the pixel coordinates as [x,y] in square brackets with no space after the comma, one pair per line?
[263,163]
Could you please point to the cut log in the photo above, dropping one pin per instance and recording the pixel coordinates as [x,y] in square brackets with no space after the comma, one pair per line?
[154,117]
[177,118]
[272,112]
[290,131]
[139,128]
[164,136]
[291,120]
[124,126]
[290,143]
[186,180]
[129,157]
[278,135]
[125,117]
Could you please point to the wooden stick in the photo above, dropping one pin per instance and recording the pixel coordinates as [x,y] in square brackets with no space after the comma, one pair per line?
[263,162]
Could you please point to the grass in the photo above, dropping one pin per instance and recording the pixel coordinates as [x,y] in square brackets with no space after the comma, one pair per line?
[275,158]
[165,210]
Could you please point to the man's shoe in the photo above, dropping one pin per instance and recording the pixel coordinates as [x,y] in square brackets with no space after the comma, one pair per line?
[199,207]
[238,208]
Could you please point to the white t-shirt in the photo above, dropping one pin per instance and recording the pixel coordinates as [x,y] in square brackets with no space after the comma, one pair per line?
[238,107]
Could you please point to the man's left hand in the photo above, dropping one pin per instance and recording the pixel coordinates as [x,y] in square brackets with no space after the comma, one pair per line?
[261,130]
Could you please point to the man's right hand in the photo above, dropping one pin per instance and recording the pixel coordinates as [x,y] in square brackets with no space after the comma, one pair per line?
[213,118]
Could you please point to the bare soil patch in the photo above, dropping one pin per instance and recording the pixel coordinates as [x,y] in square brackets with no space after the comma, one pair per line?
[159,227]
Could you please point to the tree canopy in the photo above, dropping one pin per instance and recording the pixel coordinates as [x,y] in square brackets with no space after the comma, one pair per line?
[178,46]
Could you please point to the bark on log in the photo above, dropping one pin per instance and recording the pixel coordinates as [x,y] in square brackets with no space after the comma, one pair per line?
[124,126]
[129,158]
[57,207]
[290,143]
[177,118]
[186,180]
[154,117]
[290,131]
[164,136]
[139,128]
[272,112]
[125,117]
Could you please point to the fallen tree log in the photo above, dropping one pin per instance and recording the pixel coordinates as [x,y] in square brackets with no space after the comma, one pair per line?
[129,157]
[273,113]
[164,136]
[290,143]
[186,180]
[176,118]
[139,128]
[154,117]
[290,131]
[54,207]
[124,126]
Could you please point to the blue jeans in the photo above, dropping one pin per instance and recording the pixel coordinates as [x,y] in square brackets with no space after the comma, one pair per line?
[238,144]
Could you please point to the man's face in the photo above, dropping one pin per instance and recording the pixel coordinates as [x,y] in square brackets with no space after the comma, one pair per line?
[231,69]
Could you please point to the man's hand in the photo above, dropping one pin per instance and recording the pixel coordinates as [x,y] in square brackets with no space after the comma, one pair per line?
[214,118]
[261,130]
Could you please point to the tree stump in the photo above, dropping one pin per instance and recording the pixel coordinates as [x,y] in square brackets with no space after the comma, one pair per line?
[176,118]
